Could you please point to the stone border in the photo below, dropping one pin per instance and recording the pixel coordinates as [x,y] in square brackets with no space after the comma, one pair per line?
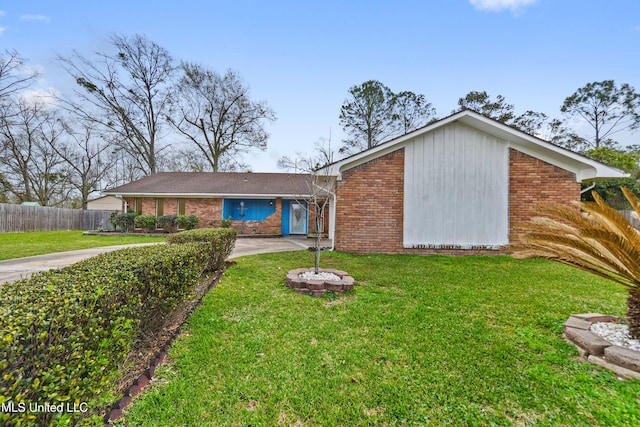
[595,349]
[319,287]
[116,410]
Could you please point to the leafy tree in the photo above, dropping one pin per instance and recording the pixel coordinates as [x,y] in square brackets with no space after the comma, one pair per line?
[374,113]
[412,111]
[216,114]
[626,160]
[602,242]
[367,116]
[126,94]
[611,189]
[561,135]
[531,122]
[607,108]
[482,103]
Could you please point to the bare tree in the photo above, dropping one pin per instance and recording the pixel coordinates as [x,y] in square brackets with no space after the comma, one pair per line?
[123,168]
[50,178]
[127,94]
[191,160]
[216,114]
[14,75]
[27,132]
[322,155]
[321,186]
[85,157]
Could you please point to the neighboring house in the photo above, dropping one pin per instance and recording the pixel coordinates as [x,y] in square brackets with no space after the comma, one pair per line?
[257,203]
[456,186]
[105,203]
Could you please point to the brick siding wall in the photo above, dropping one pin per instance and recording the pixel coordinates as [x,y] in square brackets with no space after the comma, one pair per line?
[208,211]
[370,206]
[271,225]
[532,181]
[369,216]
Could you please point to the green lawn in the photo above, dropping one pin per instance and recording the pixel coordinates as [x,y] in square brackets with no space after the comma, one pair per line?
[18,245]
[460,341]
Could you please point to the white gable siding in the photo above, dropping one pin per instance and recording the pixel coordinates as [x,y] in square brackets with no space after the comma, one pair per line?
[456,183]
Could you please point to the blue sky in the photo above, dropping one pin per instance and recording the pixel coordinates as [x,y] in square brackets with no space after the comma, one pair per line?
[302,56]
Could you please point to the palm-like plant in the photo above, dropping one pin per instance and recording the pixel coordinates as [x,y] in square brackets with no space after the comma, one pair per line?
[594,238]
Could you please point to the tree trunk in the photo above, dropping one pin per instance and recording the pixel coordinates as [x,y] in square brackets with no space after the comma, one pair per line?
[633,313]
[317,254]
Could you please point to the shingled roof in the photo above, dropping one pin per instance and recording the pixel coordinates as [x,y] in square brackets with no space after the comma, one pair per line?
[200,184]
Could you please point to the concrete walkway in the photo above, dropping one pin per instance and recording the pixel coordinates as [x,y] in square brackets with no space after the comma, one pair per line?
[19,268]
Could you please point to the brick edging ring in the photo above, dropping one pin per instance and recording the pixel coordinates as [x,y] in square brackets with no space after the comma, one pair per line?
[597,350]
[319,287]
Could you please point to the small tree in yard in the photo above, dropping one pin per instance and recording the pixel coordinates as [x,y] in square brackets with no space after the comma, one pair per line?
[321,187]
[595,238]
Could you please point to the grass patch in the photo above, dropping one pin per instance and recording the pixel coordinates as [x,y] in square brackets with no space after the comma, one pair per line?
[420,341]
[18,245]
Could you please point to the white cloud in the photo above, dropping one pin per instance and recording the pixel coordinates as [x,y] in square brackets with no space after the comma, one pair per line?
[2,13]
[40,18]
[46,96]
[2,29]
[500,5]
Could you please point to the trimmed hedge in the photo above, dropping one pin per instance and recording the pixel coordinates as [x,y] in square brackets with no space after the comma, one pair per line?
[146,222]
[65,334]
[168,223]
[221,242]
[123,221]
[187,222]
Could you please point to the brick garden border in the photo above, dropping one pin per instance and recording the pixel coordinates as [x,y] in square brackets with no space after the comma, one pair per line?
[597,350]
[116,410]
[319,287]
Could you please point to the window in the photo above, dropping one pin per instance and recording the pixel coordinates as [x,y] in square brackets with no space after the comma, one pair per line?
[138,205]
[181,205]
[159,207]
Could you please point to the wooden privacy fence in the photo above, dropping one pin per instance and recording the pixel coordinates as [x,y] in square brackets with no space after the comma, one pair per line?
[42,218]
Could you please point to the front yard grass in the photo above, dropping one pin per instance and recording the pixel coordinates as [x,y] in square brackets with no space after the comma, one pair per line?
[431,341]
[18,245]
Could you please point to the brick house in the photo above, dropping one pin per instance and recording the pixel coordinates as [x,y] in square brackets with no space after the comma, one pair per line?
[257,203]
[456,186]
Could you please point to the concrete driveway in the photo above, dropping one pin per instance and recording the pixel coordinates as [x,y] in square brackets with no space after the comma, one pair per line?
[15,269]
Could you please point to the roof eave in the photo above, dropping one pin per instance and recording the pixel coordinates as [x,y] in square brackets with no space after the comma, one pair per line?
[584,168]
[206,195]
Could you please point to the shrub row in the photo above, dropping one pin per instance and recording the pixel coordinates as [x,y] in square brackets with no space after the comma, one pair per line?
[65,334]
[126,221]
[220,243]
